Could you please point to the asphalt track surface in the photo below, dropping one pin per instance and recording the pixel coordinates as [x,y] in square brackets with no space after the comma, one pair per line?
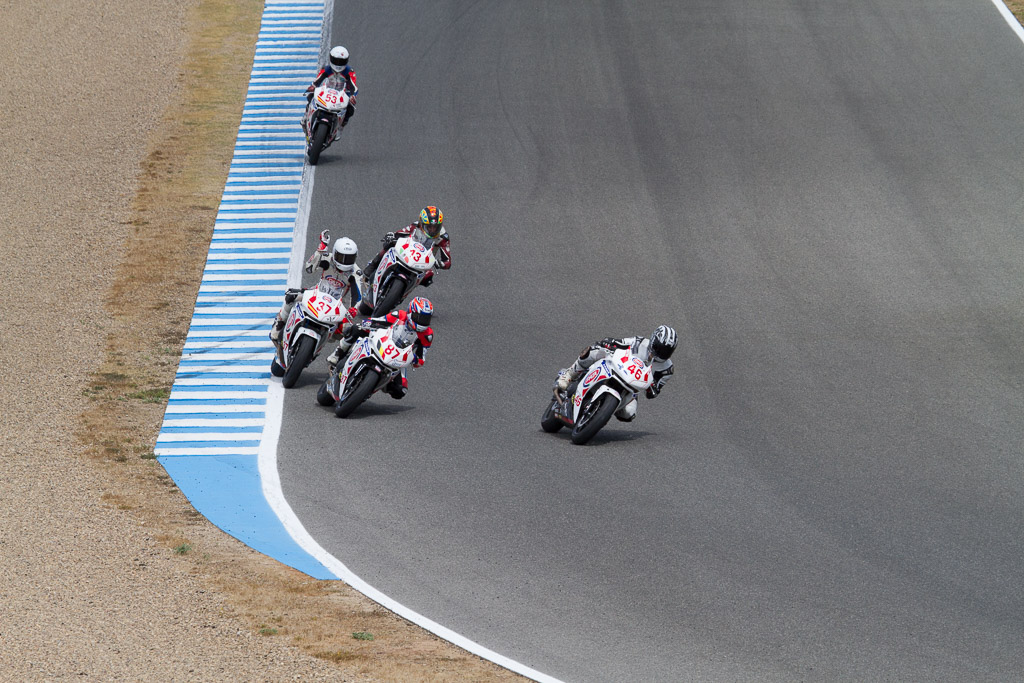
[825,200]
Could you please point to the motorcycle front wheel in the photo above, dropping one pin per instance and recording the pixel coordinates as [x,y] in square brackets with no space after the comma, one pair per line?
[593,416]
[316,145]
[549,422]
[356,392]
[389,297]
[307,345]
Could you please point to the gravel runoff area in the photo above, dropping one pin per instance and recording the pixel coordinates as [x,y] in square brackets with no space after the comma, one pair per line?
[106,572]
[85,590]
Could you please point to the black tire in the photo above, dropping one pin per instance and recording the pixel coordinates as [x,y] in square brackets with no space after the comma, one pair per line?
[389,298]
[548,421]
[316,145]
[356,393]
[323,396]
[593,416]
[275,368]
[307,345]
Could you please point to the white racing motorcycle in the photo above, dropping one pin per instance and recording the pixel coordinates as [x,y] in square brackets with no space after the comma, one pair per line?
[308,327]
[401,268]
[322,121]
[609,384]
[372,362]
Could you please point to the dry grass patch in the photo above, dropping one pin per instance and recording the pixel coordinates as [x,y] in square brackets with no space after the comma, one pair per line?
[150,304]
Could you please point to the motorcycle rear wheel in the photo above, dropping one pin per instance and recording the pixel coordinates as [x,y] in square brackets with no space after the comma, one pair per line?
[389,297]
[307,345]
[316,145]
[549,422]
[357,393]
[593,416]
[323,395]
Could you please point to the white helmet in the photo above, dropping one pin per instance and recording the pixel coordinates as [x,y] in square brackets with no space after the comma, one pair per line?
[343,256]
[339,57]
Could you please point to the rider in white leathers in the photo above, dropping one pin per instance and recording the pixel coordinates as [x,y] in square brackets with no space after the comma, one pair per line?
[656,351]
[343,258]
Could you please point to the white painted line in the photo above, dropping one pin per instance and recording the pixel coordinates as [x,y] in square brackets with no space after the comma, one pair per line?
[233,334]
[215,422]
[274,494]
[242,236]
[171,451]
[239,381]
[220,396]
[1010,19]
[180,409]
[255,366]
[239,300]
[254,266]
[204,349]
[281,42]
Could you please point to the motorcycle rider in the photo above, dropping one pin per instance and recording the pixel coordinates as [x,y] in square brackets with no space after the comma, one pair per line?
[656,351]
[404,323]
[428,231]
[343,258]
[341,75]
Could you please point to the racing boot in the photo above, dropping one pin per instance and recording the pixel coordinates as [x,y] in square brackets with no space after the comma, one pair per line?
[275,331]
[569,375]
[343,348]
[398,387]
[334,359]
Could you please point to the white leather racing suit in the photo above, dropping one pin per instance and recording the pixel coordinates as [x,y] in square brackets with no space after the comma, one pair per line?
[640,347]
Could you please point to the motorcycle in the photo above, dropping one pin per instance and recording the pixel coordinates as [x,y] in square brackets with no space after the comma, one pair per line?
[401,268]
[308,328]
[609,385]
[371,364]
[322,121]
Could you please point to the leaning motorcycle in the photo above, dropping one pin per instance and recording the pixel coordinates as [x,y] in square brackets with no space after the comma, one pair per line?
[608,386]
[322,121]
[402,267]
[308,328]
[372,362]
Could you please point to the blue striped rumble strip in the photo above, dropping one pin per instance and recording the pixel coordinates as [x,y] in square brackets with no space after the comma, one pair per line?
[215,417]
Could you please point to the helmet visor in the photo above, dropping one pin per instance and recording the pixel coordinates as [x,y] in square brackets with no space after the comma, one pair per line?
[662,351]
[343,259]
[421,320]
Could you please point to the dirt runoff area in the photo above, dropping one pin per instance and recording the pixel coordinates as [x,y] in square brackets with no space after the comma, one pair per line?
[118,124]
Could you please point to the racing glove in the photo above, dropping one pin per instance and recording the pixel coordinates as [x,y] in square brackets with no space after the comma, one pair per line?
[612,344]
[389,239]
